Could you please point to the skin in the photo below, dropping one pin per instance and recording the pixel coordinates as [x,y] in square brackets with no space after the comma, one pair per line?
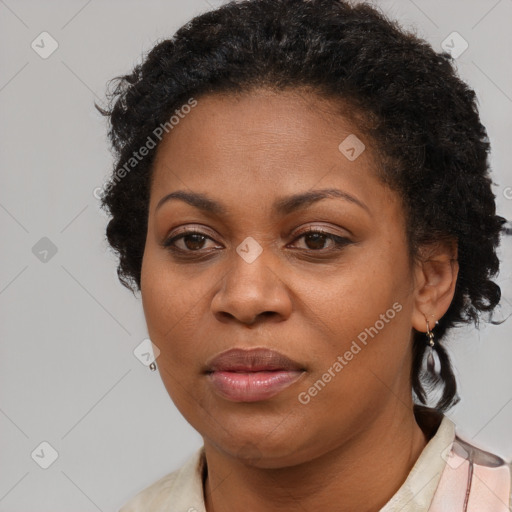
[301,296]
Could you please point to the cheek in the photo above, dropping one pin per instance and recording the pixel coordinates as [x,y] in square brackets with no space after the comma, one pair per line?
[363,310]
[169,299]
[354,296]
[177,308]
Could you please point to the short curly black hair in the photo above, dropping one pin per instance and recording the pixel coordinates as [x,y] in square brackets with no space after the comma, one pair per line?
[423,121]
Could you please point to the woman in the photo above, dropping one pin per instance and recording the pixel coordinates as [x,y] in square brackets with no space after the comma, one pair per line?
[301,194]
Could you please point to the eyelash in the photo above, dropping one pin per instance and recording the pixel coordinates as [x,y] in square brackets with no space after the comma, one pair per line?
[339,242]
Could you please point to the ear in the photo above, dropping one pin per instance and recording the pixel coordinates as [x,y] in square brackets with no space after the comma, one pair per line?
[436,274]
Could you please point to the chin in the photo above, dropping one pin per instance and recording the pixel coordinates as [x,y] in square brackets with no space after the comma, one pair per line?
[274,451]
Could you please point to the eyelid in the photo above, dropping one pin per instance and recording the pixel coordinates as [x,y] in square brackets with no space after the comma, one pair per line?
[339,241]
[189,230]
[315,229]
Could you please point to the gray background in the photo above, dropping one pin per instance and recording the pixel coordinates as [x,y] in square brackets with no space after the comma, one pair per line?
[68,328]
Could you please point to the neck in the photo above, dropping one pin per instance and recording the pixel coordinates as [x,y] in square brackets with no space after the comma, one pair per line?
[361,475]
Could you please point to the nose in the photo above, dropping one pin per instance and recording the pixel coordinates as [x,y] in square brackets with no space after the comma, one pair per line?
[252,292]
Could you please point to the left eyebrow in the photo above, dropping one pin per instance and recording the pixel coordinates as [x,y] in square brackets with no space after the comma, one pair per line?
[287,205]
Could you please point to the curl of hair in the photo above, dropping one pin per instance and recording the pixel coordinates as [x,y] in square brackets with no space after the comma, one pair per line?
[422,120]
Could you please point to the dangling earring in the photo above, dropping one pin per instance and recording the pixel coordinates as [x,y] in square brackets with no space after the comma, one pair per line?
[431,364]
[152,366]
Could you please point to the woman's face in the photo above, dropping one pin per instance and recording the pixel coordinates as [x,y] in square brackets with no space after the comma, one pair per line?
[338,304]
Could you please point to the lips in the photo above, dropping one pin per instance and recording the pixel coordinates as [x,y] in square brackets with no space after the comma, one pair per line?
[251,360]
[251,375]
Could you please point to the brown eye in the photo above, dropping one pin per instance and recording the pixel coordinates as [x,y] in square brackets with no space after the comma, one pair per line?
[315,240]
[188,241]
[191,241]
[194,242]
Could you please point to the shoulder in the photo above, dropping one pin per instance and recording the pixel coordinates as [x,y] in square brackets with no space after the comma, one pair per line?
[174,490]
[472,478]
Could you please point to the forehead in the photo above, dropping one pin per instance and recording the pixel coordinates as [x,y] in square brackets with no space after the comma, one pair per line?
[264,143]
[262,115]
